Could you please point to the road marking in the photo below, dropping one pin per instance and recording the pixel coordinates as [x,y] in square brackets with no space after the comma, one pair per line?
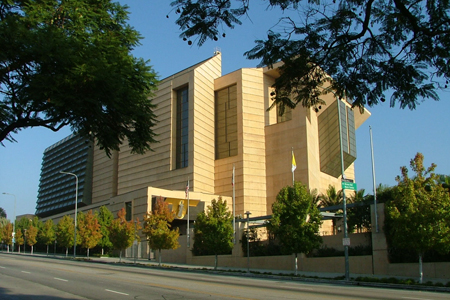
[111,291]
[56,278]
[26,272]
[412,298]
[2,267]
[296,287]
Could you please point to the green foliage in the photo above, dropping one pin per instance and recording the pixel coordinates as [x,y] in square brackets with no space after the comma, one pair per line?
[69,63]
[19,238]
[419,216]
[104,217]
[157,227]
[331,198]
[31,235]
[358,217]
[88,230]
[2,213]
[325,251]
[65,232]
[122,233]
[258,247]
[7,231]
[367,48]
[48,234]
[296,220]
[213,231]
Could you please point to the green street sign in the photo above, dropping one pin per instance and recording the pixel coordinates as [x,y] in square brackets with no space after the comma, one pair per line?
[348,185]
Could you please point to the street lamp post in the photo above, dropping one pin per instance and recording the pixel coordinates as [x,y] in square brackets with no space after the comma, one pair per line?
[14,223]
[76,208]
[248,243]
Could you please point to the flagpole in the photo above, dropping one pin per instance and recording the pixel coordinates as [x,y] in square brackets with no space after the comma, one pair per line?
[234,210]
[374,183]
[188,234]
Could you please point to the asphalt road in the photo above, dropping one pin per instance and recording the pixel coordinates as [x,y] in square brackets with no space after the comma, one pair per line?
[37,278]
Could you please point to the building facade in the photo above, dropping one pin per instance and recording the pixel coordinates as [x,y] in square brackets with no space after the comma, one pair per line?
[211,124]
[56,192]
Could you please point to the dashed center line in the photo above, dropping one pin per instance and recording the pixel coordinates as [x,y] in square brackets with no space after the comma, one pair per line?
[26,272]
[116,292]
[60,279]
[2,267]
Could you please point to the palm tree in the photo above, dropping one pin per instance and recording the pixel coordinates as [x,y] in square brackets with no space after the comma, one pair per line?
[359,215]
[331,198]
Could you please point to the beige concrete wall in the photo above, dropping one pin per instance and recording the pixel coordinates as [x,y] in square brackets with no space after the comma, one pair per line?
[157,168]
[201,135]
[104,179]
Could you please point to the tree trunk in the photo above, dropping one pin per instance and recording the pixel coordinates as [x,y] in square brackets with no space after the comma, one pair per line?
[159,254]
[87,252]
[120,255]
[296,265]
[31,249]
[215,262]
[420,269]
[67,251]
[7,248]
[47,250]
[102,251]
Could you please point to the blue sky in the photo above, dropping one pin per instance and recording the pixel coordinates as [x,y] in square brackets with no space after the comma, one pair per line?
[397,134]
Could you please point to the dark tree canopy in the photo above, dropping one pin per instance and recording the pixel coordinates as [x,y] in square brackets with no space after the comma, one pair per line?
[68,63]
[362,50]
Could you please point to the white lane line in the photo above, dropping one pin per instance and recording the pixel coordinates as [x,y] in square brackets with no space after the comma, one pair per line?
[115,292]
[412,298]
[296,287]
[26,272]
[56,278]
[2,267]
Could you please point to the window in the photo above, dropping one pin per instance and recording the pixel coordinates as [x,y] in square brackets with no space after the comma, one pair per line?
[226,122]
[182,128]
[128,211]
[284,113]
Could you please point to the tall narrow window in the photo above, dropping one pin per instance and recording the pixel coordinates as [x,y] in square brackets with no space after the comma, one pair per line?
[128,211]
[283,113]
[182,135]
[226,122]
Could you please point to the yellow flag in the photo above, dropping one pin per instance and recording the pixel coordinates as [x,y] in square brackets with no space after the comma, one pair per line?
[294,165]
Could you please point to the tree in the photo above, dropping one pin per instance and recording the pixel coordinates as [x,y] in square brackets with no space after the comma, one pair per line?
[213,231]
[122,234]
[19,238]
[88,230]
[419,215]
[331,198]
[2,213]
[48,233]
[157,228]
[65,232]
[69,63]
[366,47]
[104,217]
[7,234]
[296,220]
[358,216]
[31,235]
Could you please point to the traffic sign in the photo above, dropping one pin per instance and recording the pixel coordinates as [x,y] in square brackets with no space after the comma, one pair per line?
[349,186]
